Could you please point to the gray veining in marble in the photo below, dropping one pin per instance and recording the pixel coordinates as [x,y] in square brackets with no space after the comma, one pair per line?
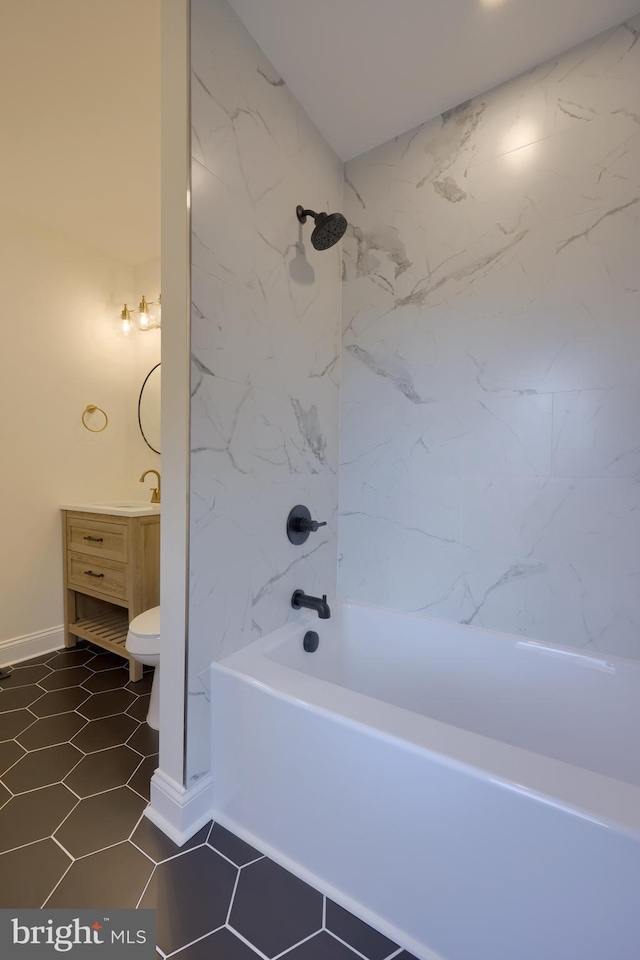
[265,331]
[490,381]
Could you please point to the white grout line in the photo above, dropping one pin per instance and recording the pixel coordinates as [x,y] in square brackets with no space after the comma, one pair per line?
[138,821]
[298,944]
[127,744]
[199,940]
[23,845]
[137,792]
[324,913]
[63,848]
[146,887]
[45,902]
[45,786]
[143,852]
[62,822]
[247,942]
[49,716]
[345,944]
[233,896]
[48,746]
[174,856]
[15,761]
[396,953]
[92,853]
[73,791]
[224,857]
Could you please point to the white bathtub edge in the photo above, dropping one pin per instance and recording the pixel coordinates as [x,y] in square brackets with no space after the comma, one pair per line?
[307,876]
[613,804]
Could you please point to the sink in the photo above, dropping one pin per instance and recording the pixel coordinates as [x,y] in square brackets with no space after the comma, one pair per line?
[118,508]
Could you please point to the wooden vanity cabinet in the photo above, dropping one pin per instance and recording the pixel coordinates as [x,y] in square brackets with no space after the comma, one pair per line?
[111,574]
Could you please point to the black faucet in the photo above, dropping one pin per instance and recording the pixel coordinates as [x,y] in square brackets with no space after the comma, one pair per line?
[300,599]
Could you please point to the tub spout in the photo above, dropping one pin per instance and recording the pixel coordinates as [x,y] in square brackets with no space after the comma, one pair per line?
[320,605]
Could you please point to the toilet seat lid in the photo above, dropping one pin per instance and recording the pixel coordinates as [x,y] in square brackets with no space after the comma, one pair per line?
[146,624]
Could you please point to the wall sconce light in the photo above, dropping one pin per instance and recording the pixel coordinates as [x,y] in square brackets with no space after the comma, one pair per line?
[125,328]
[148,316]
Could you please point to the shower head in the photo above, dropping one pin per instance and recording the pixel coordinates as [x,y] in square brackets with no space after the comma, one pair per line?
[329,228]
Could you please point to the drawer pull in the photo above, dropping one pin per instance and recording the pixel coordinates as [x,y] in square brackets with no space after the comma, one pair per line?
[90,573]
[95,539]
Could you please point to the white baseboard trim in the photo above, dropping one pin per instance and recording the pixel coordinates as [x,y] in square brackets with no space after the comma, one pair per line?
[31,645]
[352,906]
[179,812]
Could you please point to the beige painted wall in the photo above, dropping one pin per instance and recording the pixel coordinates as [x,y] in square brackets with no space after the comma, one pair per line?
[58,300]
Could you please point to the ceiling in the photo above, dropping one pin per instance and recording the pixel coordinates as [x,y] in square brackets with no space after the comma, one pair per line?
[80,108]
[368,70]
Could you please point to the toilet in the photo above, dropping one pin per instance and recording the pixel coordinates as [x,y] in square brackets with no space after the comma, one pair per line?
[143,643]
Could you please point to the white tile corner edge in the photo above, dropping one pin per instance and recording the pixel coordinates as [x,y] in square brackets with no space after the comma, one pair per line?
[31,645]
[179,812]
[387,929]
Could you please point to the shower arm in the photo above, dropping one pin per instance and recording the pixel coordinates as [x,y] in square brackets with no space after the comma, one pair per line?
[303,214]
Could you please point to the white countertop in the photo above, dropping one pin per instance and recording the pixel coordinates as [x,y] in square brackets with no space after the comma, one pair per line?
[118,508]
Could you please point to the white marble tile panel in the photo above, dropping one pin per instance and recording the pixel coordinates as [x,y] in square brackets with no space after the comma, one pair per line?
[496,436]
[222,522]
[489,590]
[596,433]
[595,608]
[510,515]
[229,351]
[570,347]
[417,352]
[198,727]
[223,234]
[506,594]
[591,80]
[596,80]
[589,166]
[396,502]
[219,613]
[491,336]
[588,256]
[222,424]
[297,432]
[240,109]
[556,521]
[363,564]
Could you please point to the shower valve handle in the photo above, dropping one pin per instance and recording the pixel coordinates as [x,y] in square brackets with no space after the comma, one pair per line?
[300,524]
[308,526]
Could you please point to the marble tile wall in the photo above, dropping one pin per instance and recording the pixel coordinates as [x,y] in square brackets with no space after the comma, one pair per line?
[265,334]
[490,380]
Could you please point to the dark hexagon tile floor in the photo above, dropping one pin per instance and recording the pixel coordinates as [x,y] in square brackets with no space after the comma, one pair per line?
[273,909]
[76,757]
[51,730]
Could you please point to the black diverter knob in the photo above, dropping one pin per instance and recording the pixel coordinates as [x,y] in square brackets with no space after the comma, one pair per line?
[300,524]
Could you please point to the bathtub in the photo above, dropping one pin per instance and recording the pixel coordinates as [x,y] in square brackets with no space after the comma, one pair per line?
[473,795]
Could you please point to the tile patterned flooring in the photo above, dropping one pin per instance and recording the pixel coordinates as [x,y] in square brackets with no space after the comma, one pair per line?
[76,758]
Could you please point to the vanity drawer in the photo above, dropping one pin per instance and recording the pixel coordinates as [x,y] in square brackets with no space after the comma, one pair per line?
[97,538]
[103,576]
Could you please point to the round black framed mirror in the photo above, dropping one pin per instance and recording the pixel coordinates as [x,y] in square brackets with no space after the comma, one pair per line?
[149,409]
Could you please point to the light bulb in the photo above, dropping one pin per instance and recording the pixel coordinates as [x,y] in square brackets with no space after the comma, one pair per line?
[143,319]
[155,313]
[125,328]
